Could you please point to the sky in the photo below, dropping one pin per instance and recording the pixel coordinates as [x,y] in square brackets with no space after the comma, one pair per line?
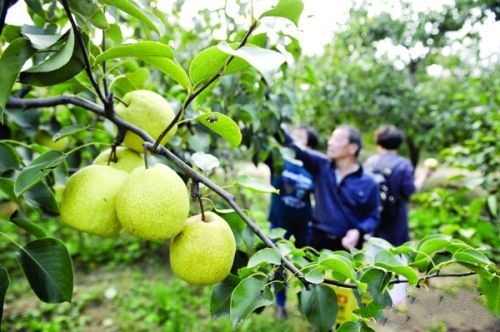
[319,21]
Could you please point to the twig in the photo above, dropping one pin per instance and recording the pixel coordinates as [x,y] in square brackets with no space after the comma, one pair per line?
[192,96]
[3,14]
[81,44]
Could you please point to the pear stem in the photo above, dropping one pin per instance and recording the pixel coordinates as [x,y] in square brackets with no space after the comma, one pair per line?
[195,194]
[145,156]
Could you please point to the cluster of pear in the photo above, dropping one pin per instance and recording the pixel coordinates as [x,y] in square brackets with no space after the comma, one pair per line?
[149,203]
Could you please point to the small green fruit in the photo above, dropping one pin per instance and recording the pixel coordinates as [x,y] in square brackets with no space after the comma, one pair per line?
[45,139]
[431,163]
[203,252]
[153,204]
[148,111]
[88,201]
[127,160]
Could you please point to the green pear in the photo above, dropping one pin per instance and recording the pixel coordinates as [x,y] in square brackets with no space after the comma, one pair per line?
[431,163]
[45,139]
[126,160]
[203,252]
[148,111]
[88,201]
[153,204]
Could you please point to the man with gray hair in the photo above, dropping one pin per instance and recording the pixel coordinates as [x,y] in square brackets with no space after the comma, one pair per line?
[347,199]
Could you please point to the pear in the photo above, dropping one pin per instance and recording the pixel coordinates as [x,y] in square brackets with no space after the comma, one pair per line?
[148,111]
[431,163]
[44,138]
[127,160]
[203,252]
[88,201]
[153,204]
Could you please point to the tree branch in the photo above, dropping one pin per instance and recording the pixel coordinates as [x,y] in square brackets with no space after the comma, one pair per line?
[3,14]
[81,44]
[15,102]
[149,144]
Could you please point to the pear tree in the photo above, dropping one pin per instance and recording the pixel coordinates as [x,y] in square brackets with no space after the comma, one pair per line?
[78,72]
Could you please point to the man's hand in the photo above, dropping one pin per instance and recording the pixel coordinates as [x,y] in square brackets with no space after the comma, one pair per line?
[350,239]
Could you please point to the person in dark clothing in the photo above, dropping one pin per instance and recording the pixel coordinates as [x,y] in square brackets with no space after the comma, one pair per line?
[400,181]
[291,209]
[346,198]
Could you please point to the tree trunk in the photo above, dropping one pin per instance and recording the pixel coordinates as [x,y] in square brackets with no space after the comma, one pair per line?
[414,151]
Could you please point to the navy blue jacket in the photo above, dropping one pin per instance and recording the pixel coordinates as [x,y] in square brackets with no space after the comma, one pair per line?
[292,207]
[401,182]
[352,203]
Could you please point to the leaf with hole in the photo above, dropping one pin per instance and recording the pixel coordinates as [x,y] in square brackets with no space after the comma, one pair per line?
[223,126]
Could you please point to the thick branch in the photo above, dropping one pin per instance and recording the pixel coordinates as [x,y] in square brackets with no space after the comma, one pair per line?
[14,102]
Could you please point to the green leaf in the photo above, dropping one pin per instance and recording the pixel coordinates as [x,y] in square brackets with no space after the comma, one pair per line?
[491,290]
[58,59]
[70,130]
[255,184]
[89,11]
[7,189]
[350,326]
[69,70]
[140,50]
[4,285]
[267,62]
[377,281]
[389,262]
[39,38]
[139,13]
[208,62]
[319,305]
[171,68]
[492,205]
[36,7]
[250,294]
[266,255]
[427,247]
[9,159]
[339,264]
[471,256]
[289,9]
[223,126]
[11,62]
[40,196]
[371,310]
[48,268]
[314,276]
[220,300]
[29,226]
[38,169]
[114,35]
